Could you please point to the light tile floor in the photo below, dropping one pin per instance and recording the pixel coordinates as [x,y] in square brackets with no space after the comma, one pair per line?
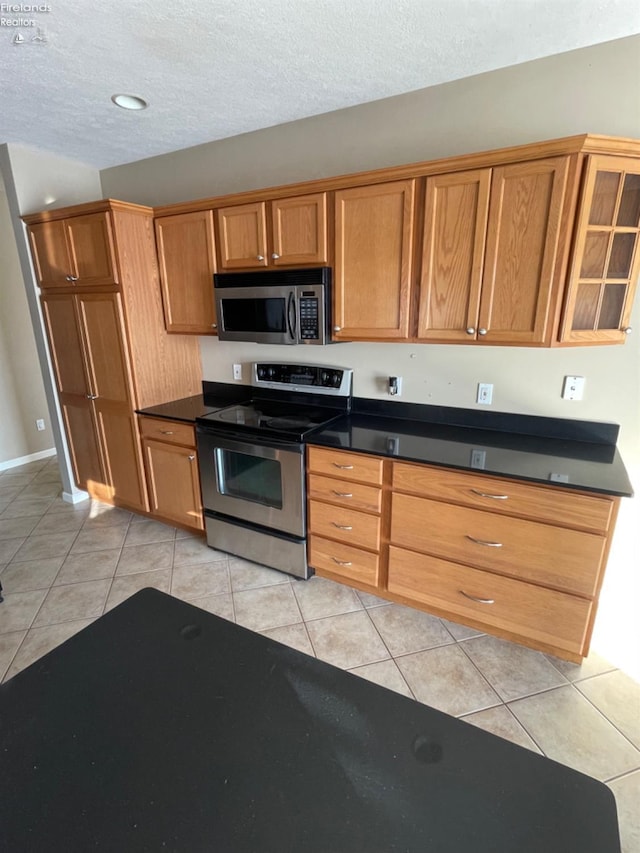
[62,566]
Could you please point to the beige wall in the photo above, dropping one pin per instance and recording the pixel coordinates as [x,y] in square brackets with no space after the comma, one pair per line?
[35,180]
[594,90]
[21,386]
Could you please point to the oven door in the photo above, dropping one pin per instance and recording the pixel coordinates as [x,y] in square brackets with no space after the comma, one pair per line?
[263,315]
[254,481]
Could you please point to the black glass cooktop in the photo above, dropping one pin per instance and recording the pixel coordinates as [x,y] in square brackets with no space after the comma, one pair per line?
[271,417]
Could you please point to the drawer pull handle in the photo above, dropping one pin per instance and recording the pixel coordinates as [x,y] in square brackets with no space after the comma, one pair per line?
[477,600]
[342,526]
[342,494]
[493,497]
[344,467]
[486,544]
[342,562]
[166,431]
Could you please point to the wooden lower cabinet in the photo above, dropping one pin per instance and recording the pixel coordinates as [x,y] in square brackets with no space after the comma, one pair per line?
[345,516]
[172,472]
[521,561]
[523,611]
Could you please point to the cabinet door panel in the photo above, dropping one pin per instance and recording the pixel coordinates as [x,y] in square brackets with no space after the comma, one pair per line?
[455,227]
[300,230]
[243,236]
[65,343]
[174,485]
[187,264]
[605,264]
[101,320]
[91,247]
[51,253]
[373,265]
[522,242]
[82,442]
[121,454]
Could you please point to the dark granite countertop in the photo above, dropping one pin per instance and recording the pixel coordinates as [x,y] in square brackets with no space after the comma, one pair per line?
[215,395]
[551,458]
[163,727]
[567,453]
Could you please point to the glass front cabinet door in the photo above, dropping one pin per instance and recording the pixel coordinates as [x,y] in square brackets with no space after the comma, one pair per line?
[606,256]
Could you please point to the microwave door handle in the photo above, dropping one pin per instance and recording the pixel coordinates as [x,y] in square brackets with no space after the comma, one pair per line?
[291,315]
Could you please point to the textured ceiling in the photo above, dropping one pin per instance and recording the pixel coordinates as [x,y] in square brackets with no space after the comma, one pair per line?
[216,68]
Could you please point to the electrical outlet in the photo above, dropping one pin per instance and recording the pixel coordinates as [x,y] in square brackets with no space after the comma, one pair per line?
[395,386]
[40,425]
[485,393]
[237,371]
[573,388]
[478,458]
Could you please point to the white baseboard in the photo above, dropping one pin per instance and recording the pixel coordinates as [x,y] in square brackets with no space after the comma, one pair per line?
[75,497]
[22,460]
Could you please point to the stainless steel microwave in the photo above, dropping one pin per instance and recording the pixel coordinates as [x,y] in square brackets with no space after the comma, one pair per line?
[274,307]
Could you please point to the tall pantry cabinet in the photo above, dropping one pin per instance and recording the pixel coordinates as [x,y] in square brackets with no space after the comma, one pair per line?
[97,270]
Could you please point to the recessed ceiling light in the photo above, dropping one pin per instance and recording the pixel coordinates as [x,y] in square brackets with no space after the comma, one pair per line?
[129,102]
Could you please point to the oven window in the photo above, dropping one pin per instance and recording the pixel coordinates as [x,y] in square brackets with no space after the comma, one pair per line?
[255,315]
[249,478]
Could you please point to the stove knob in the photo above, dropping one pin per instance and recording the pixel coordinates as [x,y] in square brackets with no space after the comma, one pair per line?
[337,379]
[261,373]
[324,377]
[271,372]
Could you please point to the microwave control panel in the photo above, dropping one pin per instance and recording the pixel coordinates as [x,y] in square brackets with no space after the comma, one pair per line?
[309,318]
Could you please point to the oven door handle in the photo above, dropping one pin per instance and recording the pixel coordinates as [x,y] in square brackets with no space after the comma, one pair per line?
[291,315]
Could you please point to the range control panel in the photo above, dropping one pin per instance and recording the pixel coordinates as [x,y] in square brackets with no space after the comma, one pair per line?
[316,378]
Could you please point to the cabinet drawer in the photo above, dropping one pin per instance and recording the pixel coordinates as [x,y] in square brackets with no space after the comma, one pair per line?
[347,466]
[347,525]
[344,560]
[174,432]
[510,497]
[343,493]
[550,617]
[555,556]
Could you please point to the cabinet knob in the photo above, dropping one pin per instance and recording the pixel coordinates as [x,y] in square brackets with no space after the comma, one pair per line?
[260,257]
[71,277]
[482,331]
[275,256]
[337,328]
[92,396]
[214,325]
[471,330]
[191,458]
[628,330]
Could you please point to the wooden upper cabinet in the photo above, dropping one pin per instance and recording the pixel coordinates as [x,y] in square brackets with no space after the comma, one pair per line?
[299,230]
[373,263]
[78,251]
[285,232]
[523,234]
[456,212]
[604,269]
[243,236]
[186,256]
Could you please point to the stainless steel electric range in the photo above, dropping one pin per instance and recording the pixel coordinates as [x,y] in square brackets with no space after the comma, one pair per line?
[252,461]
